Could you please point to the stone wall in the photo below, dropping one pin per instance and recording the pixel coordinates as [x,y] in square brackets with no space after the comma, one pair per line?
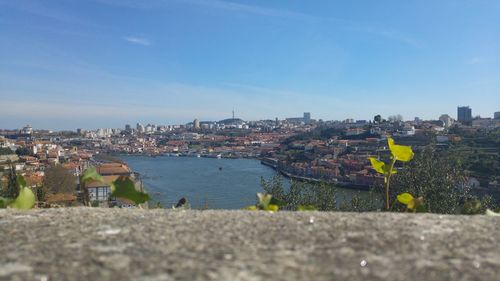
[119,244]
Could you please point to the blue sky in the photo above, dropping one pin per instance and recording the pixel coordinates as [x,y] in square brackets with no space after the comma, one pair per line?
[105,63]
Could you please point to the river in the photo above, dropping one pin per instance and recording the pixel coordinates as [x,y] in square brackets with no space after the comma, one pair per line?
[205,182]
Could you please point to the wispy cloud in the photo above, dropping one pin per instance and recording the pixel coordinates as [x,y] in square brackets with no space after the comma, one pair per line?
[42,9]
[138,40]
[239,8]
[479,60]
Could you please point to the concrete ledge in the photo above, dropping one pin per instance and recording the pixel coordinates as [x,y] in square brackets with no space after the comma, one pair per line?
[118,244]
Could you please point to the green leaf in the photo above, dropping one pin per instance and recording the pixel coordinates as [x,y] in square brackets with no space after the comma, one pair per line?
[264,199]
[303,208]
[272,208]
[251,208]
[380,166]
[20,181]
[91,174]
[377,165]
[400,152]
[405,198]
[25,200]
[124,188]
[4,202]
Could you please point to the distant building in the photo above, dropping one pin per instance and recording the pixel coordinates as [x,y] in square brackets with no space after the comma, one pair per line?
[307,117]
[447,120]
[128,128]
[27,130]
[464,115]
[486,123]
[196,124]
[496,115]
[140,128]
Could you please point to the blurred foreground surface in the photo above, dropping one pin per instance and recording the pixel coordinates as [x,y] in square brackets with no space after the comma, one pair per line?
[119,244]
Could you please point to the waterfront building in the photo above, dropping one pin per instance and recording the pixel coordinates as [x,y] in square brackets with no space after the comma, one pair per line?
[464,115]
[496,115]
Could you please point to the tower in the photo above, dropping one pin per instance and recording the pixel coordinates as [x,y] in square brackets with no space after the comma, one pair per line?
[464,115]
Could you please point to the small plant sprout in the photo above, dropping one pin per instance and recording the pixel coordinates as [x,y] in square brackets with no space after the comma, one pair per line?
[398,153]
[264,203]
[412,204]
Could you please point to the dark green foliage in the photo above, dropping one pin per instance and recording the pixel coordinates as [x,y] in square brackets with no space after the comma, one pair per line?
[41,193]
[23,151]
[12,188]
[475,206]
[125,188]
[320,195]
[437,178]
[361,203]
[6,151]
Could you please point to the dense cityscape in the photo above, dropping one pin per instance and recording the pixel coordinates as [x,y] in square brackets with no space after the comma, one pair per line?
[302,148]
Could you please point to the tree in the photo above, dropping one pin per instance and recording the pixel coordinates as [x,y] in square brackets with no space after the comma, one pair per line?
[23,151]
[12,187]
[395,118]
[6,151]
[59,180]
[436,177]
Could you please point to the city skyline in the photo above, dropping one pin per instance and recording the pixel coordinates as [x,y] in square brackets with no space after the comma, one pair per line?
[305,119]
[106,63]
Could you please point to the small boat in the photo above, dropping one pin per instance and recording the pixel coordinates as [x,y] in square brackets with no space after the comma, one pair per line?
[220,168]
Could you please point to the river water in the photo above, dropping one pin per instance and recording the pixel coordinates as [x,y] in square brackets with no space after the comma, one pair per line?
[205,182]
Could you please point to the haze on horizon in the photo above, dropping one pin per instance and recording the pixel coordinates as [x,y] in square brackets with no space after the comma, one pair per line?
[66,64]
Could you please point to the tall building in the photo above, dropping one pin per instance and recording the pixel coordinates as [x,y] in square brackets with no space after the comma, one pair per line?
[128,128]
[140,128]
[196,124]
[496,115]
[307,117]
[464,115]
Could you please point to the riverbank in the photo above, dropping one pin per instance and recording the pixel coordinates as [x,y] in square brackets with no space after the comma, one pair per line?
[273,163]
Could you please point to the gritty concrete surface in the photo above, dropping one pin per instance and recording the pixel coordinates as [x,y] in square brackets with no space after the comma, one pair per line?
[114,244]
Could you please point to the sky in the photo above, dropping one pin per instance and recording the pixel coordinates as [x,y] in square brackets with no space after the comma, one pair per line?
[67,64]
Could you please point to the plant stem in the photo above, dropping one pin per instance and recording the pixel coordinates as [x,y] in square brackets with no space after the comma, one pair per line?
[387,182]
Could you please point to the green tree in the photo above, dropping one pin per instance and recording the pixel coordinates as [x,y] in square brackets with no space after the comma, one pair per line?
[23,151]
[322,196]
[12,188]
[437,178]
[6,151]
[59,180]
